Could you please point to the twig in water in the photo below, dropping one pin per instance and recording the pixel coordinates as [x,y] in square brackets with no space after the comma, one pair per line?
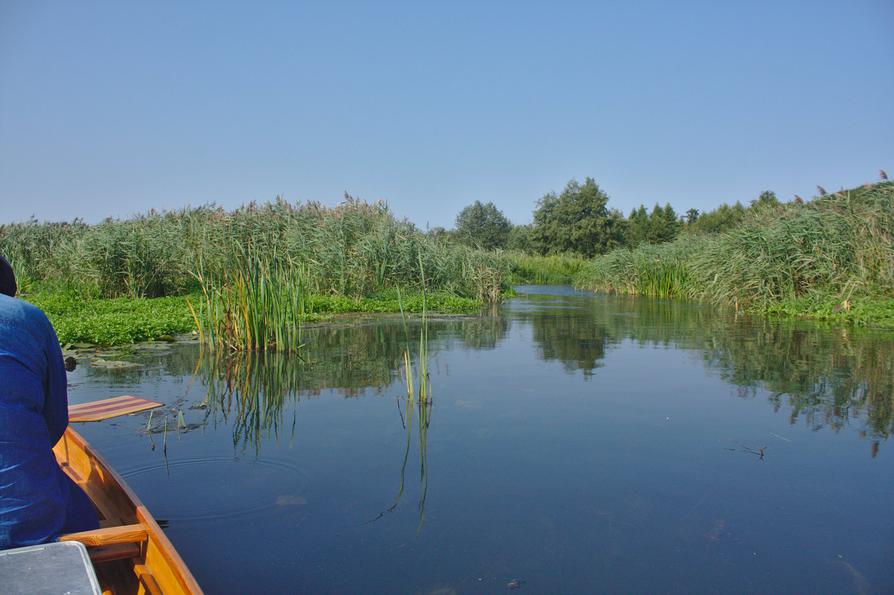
[760,452]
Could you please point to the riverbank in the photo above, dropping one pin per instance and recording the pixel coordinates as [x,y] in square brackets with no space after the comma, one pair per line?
[831,259]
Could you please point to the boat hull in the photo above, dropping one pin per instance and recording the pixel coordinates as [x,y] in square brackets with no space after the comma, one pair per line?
[130,552]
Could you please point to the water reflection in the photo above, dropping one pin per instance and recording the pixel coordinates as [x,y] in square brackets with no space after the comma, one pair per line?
[825,377]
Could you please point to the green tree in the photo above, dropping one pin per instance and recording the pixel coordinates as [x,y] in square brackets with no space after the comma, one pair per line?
[663,224]
[520,239]
[638,226]
[766,199]
[723,218]
[578,220]
[691,216]
[483,225]
[440,234]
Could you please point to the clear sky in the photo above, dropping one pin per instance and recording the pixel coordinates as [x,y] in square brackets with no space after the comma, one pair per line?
[112,108]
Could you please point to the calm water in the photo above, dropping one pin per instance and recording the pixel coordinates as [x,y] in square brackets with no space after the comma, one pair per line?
[575,443]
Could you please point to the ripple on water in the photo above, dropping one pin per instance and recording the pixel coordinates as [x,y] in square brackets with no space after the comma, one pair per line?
[218,488]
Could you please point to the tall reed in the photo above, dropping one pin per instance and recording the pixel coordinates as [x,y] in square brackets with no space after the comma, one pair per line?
[257,305]
[354,249]
[841,245]
[554,269]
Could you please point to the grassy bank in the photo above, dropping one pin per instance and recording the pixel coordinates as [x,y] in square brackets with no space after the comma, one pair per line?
[557,269]
[251,275]
[831,258]
[356,249]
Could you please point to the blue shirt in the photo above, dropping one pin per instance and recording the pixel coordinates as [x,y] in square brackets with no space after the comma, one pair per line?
[38,502]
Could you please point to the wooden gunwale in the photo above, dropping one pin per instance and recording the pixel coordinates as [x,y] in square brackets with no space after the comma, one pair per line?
[125,519]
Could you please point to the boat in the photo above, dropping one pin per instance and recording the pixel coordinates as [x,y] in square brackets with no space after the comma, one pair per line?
[130,552]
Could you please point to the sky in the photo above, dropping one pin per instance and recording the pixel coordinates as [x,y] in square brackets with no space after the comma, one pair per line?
[113,108]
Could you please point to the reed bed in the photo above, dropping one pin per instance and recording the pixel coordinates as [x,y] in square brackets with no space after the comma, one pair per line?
[355,249]
[554,269]
[836,245]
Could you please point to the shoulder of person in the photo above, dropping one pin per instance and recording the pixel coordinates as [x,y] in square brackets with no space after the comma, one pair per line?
[18,310]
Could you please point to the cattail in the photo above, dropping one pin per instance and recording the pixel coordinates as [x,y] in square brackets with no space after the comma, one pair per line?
[821,190]
[798,200]
[882,174]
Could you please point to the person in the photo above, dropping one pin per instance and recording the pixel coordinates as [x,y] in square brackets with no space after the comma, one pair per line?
[38,501]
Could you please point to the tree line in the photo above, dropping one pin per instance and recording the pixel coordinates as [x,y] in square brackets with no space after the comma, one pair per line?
[579,221]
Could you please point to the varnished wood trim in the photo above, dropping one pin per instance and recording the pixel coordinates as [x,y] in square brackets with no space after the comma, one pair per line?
[109,535]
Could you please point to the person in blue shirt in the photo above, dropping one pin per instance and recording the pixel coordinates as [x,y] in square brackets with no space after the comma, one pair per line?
[38,502]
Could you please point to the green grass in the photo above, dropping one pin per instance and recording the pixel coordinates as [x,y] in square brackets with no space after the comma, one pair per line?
[257,306]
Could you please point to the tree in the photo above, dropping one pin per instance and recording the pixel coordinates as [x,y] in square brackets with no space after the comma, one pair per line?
[638,227]
[766,199]
[483,225]
[578,220]
[691,216]
[720,219]
[439,234]
[520,239]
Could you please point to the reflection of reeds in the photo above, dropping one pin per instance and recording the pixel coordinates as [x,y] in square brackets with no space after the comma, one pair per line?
[418,401]
[252,388]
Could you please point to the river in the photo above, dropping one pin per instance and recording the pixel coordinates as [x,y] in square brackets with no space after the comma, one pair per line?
[565,443]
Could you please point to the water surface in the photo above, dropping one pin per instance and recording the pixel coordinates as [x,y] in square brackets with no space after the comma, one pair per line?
[572,443]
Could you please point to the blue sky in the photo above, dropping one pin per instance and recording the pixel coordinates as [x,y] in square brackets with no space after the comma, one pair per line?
[107,109]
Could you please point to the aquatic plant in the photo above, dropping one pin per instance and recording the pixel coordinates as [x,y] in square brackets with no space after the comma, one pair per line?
[79,319]
[258,305]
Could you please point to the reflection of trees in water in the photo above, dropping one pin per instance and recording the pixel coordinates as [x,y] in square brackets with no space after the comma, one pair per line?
[579,343]
[481,332]
[251,389]
[827,377]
